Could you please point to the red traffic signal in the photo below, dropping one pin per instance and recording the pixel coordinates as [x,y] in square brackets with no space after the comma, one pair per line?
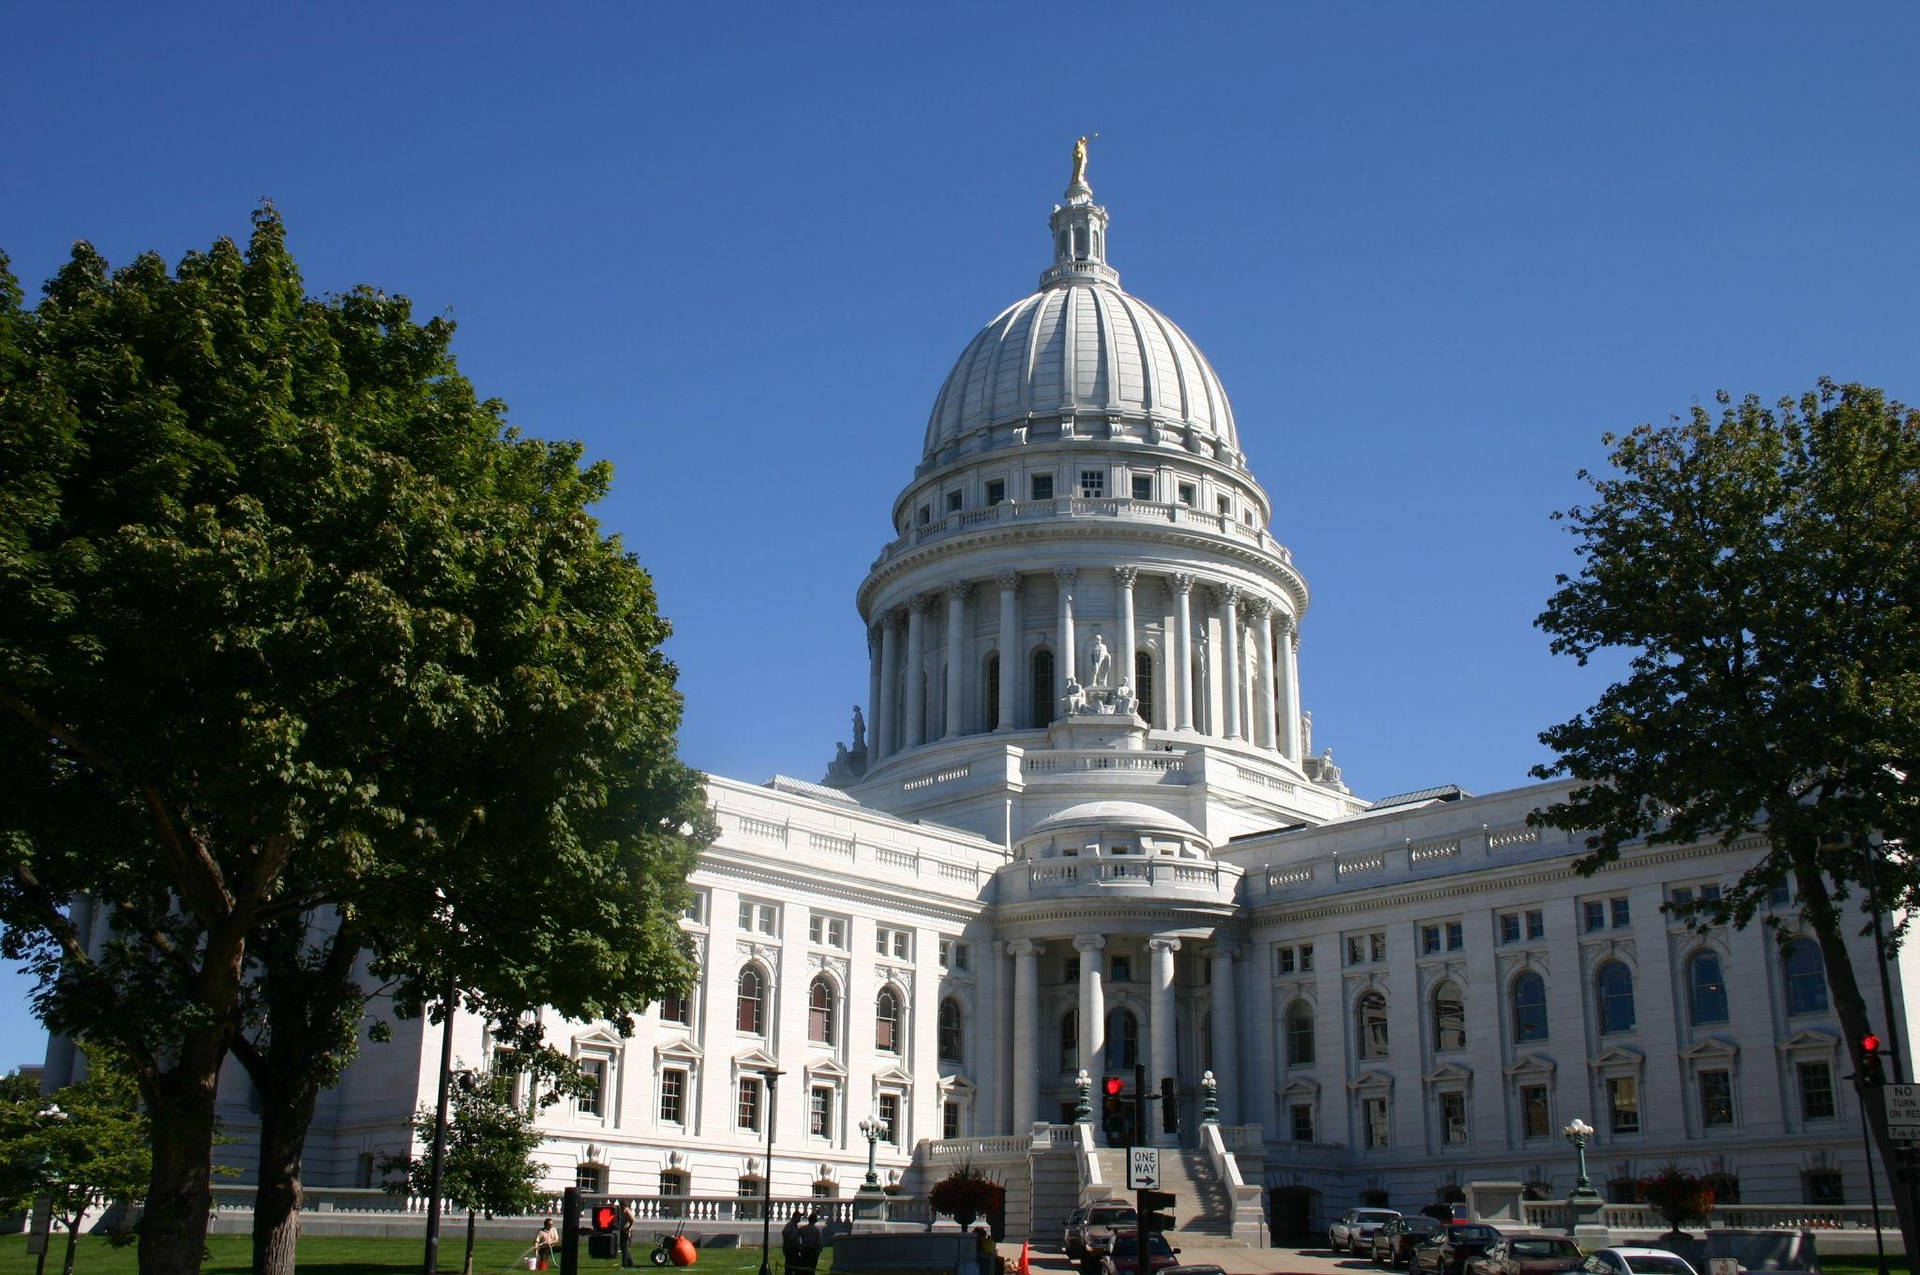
[1869,1044]
[605,1217]
[1112,1086]
[1870,1073]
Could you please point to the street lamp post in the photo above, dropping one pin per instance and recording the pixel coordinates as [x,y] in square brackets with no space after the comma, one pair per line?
[1210,1102]
[871,1129]
[1578,1133]
[1584,1203]
[43,1206]
[772,1077]
[1083,1100]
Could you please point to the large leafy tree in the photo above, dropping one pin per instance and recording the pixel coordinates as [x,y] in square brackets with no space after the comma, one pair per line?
[1761,570]
[309,666]
[489,1165]
[81,1146]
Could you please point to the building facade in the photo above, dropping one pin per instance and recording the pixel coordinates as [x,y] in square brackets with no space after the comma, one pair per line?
[1080,825]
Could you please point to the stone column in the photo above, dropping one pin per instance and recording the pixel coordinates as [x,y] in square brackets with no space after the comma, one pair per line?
[1229,661]
[1123,578]
[1026,1030]
[1161,1058]
[1010,661]
[876,666]
[1290,678]
[1226,1032]
[915,733]
[884,743]
[1181,671]
[1067,663]
[956,651]
[1093,1001]
[1264,718]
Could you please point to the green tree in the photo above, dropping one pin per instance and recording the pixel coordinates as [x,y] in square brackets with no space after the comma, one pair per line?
[79,1147]
[1761,569]
[489,1165]
[305,654]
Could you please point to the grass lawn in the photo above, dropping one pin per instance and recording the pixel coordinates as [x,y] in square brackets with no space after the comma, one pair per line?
[326,1255]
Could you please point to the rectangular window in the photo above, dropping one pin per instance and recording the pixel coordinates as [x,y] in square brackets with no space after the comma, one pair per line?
[820,1112]
[587,1179]
[1224,504]
[1594,913]
[1680,895]
[1377,947]
[747,1115]
[1456,936]
[1716,1099]
[1122,969]
[696,910]
[1453,1118]
[1143,486]
[1306,957]
[677,1009]
[1536,924]
[890,1119]
[594,1072]
[1283,960]
[1709,894]
[1429,939]
[888,941]
[1093,483]
[926,515]
[763,918]
[1622,917]
[1816,1091]
[1189,495]
[1042,485]
[996,492]
[1824,1186]
[949,1119]
[1623,1103]
[1374,1119]
[827,931]
[1780,895]
[673,1094]
[1356,949]
[953,502]
[1070,972]
[1301,1115]
[1509,927]
[1536,1118]
[953,954]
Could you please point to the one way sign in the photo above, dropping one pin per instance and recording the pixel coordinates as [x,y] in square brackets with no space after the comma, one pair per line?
[1143,1168]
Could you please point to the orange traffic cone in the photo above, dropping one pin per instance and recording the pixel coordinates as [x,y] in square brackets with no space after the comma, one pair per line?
[1025,1265]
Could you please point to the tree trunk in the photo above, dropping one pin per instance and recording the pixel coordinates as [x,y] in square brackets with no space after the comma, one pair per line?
[467,1267]
[1855,1020]
[73,1237]
[284,1120]
[173,1229]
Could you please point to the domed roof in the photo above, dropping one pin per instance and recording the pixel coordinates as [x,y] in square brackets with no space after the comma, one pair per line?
[1082,347]
[1115,814]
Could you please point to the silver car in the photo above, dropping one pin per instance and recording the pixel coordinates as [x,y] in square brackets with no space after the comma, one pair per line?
[1353,1233]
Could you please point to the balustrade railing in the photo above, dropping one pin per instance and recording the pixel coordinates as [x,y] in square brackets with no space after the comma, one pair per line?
[1558,1215]
[1143,871]
[235,1198]
[1116,507]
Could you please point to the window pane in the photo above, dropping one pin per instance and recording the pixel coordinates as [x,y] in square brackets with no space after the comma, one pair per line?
[1373,1025]
[1806,978]
[1299,1035]
[1623,1103]
[1529,1007]
[1449,1018]
[1716,1098]
[1615,987]
[1706,990]
[1535,1118]
[1816,1091]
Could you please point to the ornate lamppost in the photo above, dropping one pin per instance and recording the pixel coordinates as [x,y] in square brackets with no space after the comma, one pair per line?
[1578,1133]
[772,1077]
[1584,1203]
[1083,1100]
[871,1129]
[1210,1099]
[870,1201]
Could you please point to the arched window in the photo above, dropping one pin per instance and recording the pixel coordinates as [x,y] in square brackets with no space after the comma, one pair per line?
[1370,1018]
[1529,1007]
[750,1005]
[951,1038]
[1143,684]
[1070,1042]
[1042,685]
[1806,977]
[993,693]
[1706,989]
[1449,1017]
[1613,983]
[1299,1034]
[886,1020]
[820,1024]
[1123,1040]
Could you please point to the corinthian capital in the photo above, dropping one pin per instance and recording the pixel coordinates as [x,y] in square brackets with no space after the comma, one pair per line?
[1125,576]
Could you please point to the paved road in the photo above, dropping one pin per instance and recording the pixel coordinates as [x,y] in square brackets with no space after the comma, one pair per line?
[1233,1260]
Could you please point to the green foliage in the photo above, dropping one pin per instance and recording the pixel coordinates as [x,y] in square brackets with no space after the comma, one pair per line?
[304,652]
[1762,570]
[965,1194]
[83,1145]
[489,1166]
[1677,1196]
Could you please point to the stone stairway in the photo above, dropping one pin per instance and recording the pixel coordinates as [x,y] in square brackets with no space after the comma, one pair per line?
[1202,1209]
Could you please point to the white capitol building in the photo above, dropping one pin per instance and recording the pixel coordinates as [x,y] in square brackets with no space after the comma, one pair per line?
[1081,825]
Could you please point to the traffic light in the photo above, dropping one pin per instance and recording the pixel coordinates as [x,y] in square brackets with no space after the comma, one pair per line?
[1169,1105]
[602,1243]
[1870,1073]
[1113,1108]
[1151,1218]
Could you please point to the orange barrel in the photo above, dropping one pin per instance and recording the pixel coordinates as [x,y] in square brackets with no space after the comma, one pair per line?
[681,1252]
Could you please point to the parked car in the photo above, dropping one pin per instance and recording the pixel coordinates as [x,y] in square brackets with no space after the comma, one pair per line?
[1637,1261]
[1527,1255]
[1781,1252]
[1451,1214]
[1206,1269]
[1124,1257]
[1354,1231]
[1395,1240]
[1089,1230]
[1447,1250]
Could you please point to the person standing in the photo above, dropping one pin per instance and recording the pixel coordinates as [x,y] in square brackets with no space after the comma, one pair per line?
[810,1244]
[626,1233]
[790,1242]
[544,1244]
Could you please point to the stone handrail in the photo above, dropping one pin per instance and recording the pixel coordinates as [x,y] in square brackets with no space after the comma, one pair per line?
[1086,1152]
[1382,865]
[1160,767]
[1120,508]
[979,1150]
[862,854]
[1248,1220]
[1556,1215]
[1122,872]
[239,1198]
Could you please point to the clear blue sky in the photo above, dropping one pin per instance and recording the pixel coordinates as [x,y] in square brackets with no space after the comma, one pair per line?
[1434,252]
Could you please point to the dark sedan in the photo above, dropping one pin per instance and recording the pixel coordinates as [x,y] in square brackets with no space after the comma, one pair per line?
[1393,1243]
[1447,1250]
[1124,1258]
[1527,1255]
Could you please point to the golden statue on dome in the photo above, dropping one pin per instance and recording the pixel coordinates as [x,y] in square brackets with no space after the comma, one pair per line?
[1080,161]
